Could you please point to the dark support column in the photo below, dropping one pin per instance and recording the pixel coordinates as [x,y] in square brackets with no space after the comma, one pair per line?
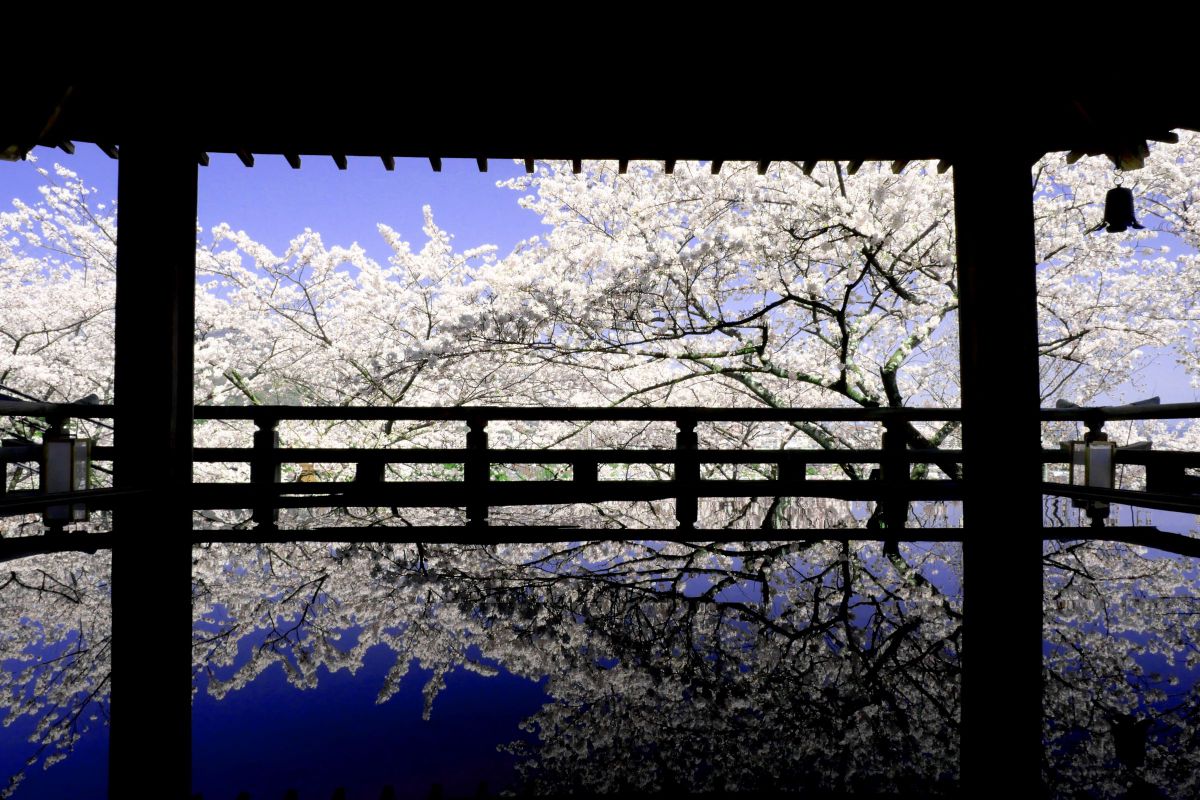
[1002,572]
[156,276]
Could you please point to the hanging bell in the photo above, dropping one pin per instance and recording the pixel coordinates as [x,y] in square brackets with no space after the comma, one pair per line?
[1118,210]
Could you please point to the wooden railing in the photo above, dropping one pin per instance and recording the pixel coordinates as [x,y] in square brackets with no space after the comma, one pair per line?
[1172,480]
[478,491]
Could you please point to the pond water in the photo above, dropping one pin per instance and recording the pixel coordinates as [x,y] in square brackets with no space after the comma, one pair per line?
[614,666]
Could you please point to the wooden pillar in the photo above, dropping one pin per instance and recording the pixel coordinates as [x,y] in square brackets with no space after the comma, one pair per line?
[1002,572]
[150,733]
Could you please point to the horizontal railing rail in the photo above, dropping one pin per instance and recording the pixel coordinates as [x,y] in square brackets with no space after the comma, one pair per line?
[476,492]
[1175,477]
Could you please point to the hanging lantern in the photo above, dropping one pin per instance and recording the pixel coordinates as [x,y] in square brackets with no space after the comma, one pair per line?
[1092,465]
[1118,210]
[65,468]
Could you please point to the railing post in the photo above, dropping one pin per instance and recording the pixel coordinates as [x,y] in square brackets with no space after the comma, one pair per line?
[792,469]
[687,474]
[265,472]
[895,475]
[1097,510]
[585,471]
[369,470]
[477,472]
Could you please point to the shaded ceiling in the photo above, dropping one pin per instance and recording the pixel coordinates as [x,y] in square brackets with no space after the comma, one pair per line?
[386,123]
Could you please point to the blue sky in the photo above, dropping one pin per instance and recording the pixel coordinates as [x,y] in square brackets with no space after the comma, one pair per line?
[273,202]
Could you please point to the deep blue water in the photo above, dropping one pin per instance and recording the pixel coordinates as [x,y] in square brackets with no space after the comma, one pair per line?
[602,632]
[270,736]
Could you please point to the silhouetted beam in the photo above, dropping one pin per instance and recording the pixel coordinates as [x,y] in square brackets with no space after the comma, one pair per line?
[389,163]
[293,160]
[482,164]
[576,165]
[154,362]
[109,150]
[435,163]
[202,159]
[622,166]
[1169,137]
[854,166]
[340,160]
[669,167]
[67,147]
[808,168]
[763,166]
[716,166]
[898,166]
[998,358]
[1128,411]
[246,157]
[529,166]
[943,166]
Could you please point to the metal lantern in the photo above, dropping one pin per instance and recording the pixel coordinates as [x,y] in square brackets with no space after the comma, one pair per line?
[1118,210]
[1093,465]
[66,466]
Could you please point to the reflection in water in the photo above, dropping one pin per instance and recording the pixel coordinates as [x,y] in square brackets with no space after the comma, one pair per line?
[1122,689]
[55,635]
[734,667]
[750,666]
